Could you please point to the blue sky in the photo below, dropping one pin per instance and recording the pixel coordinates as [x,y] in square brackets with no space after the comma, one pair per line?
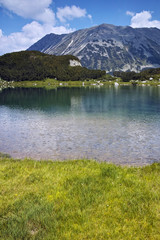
[23,22]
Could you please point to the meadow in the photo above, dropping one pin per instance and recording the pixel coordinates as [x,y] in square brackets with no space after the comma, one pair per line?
[80,199]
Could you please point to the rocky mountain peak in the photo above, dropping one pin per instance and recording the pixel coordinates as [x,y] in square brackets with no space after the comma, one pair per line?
[107,47]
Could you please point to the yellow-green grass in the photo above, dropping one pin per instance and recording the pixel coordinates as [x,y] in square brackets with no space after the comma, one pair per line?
[78,200]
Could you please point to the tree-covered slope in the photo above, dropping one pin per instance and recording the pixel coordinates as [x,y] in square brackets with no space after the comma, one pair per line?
[148,74]
[34,65]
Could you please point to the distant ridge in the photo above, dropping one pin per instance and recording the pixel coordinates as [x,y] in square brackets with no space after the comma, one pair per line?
[107,47]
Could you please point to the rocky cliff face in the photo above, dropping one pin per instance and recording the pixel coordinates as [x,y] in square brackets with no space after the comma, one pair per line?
[107,47]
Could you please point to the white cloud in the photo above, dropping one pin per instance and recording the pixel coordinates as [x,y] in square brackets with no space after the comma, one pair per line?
[68,13]
[89,16]
[1,33]
[130,13]
[44,22]
[34,9]
[30,34]
[47,16]
[144,19]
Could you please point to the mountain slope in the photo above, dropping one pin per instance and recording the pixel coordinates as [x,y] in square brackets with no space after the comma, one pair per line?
[107,47]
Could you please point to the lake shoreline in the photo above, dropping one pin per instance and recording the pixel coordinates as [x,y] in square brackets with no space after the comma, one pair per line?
[53,83]
[128,165]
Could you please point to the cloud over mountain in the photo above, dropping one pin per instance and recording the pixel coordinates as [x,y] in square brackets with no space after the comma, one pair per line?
[143,19]
[68,13]
[45,21]
[30,34]
[37,9]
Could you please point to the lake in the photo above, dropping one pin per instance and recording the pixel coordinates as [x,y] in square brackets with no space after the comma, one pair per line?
[114,124]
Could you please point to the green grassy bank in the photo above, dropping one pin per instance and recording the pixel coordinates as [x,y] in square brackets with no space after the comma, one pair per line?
[52,83]
[78,200]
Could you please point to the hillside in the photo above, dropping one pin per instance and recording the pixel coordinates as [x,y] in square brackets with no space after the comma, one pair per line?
[107,47]
[148,74]
[34,65]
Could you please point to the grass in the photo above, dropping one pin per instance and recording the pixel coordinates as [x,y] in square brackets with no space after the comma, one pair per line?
[78,200]
[49,83]
[53,83]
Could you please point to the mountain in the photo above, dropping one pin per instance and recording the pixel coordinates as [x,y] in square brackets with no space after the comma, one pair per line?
[34,65]
[107,47]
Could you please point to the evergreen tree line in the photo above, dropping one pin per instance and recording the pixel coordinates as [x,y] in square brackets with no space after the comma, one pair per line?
[34,65]
[143,75]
